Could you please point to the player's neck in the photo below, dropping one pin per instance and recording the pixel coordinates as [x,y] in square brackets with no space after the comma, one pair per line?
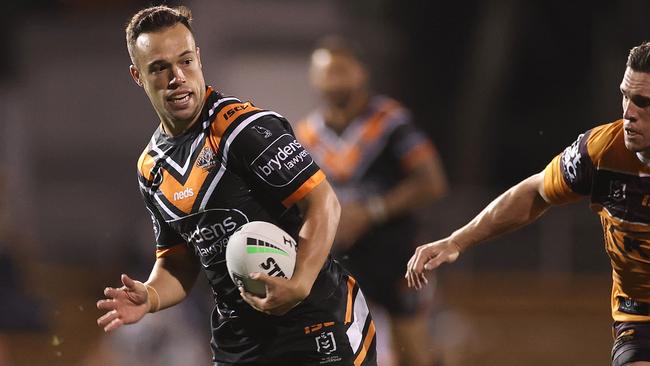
[338,118]
[176,128]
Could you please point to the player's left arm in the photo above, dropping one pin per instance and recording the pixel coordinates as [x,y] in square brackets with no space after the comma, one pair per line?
[296,181]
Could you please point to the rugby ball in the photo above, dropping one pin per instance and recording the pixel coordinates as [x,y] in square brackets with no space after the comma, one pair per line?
[259,246]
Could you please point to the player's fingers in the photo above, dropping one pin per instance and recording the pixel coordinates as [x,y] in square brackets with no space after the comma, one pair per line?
[127,281]
[116,323]
[112,293]
[106,304]
[252,300]
[104,320]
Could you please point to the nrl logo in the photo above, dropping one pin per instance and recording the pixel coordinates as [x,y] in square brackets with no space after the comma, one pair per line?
[206,159]
[325,343]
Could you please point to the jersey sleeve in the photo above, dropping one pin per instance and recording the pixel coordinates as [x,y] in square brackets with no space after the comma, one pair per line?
[411,146]
[167,240]
[570,174]
[274,162]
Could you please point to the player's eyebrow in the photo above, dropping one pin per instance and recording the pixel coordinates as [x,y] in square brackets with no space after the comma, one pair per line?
[164,62]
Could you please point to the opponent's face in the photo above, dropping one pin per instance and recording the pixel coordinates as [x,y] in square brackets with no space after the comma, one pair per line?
[167,65]
[338,78]
[636,111]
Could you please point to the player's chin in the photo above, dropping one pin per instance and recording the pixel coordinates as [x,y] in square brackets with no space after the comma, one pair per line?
[636,143]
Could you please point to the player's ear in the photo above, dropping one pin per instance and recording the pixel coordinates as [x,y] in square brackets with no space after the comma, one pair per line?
[135,74]
[198,56]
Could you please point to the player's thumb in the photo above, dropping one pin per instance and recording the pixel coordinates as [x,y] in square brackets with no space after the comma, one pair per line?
[263,277]
[128,282]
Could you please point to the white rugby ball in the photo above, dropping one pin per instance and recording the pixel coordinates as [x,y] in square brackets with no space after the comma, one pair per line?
[259,246]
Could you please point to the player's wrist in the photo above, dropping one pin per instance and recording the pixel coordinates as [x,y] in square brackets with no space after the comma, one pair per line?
[454,244]
[153,299]
[377,210]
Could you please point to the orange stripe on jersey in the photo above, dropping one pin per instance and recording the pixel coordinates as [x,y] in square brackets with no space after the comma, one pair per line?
[306,133]
[555,188]
[343,164]
[417,155]
[178,248]
[145,164]
[375,125]
[228,115]
[180,195]
[304,189]
[348,307]
[366,344]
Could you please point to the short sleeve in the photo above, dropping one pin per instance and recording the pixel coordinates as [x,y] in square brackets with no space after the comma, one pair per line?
[570,174]
[274,162]
[411,146]
[167,239]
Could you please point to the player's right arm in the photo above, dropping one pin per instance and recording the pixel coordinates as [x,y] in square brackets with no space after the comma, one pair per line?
[566,179]
[170,281]
[515,208]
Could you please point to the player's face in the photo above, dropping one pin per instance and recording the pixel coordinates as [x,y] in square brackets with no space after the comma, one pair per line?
[636,111]
[168,67]
[338,78]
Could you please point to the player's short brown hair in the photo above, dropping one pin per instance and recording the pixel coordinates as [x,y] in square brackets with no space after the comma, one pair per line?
[153,19]
[639,58]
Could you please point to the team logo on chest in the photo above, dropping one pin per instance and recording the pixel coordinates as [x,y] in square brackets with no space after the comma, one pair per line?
[206,159]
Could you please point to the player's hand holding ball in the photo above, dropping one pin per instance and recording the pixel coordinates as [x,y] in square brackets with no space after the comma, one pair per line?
[428,257]
[282,295]
[261,258]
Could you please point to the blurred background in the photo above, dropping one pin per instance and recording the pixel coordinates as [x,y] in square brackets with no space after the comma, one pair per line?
[500,86]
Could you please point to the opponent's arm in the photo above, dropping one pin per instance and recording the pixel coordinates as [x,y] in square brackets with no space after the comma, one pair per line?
[321,211]
[515,208]
[169,283]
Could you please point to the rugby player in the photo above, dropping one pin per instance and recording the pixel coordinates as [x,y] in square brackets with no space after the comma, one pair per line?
[213,164]
[609,165]
[382,168]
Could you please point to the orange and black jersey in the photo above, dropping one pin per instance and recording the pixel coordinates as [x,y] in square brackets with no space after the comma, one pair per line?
[236,164]
[599,165]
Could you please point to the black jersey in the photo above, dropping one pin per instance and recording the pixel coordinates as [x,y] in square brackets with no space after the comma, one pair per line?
[236,164]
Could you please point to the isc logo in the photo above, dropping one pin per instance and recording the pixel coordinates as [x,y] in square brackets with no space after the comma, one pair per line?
[231,112]
[188,192]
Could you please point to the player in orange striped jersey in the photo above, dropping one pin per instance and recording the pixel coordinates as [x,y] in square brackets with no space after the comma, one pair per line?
[214,164]
[609,164]
[382,167]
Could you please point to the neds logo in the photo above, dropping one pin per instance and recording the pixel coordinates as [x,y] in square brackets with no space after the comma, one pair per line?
[188,192]
[282,161]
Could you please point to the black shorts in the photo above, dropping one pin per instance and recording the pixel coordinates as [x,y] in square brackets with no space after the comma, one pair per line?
[339,331]
[631,342]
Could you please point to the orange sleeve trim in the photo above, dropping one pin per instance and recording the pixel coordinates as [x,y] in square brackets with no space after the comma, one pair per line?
[304,189]
[366,345]
[417,155]
[348,307]
[555,188]
[178,248]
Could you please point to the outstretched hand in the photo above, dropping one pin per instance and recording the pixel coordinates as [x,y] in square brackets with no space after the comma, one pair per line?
[282,295]
[124,305]
[428,257]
